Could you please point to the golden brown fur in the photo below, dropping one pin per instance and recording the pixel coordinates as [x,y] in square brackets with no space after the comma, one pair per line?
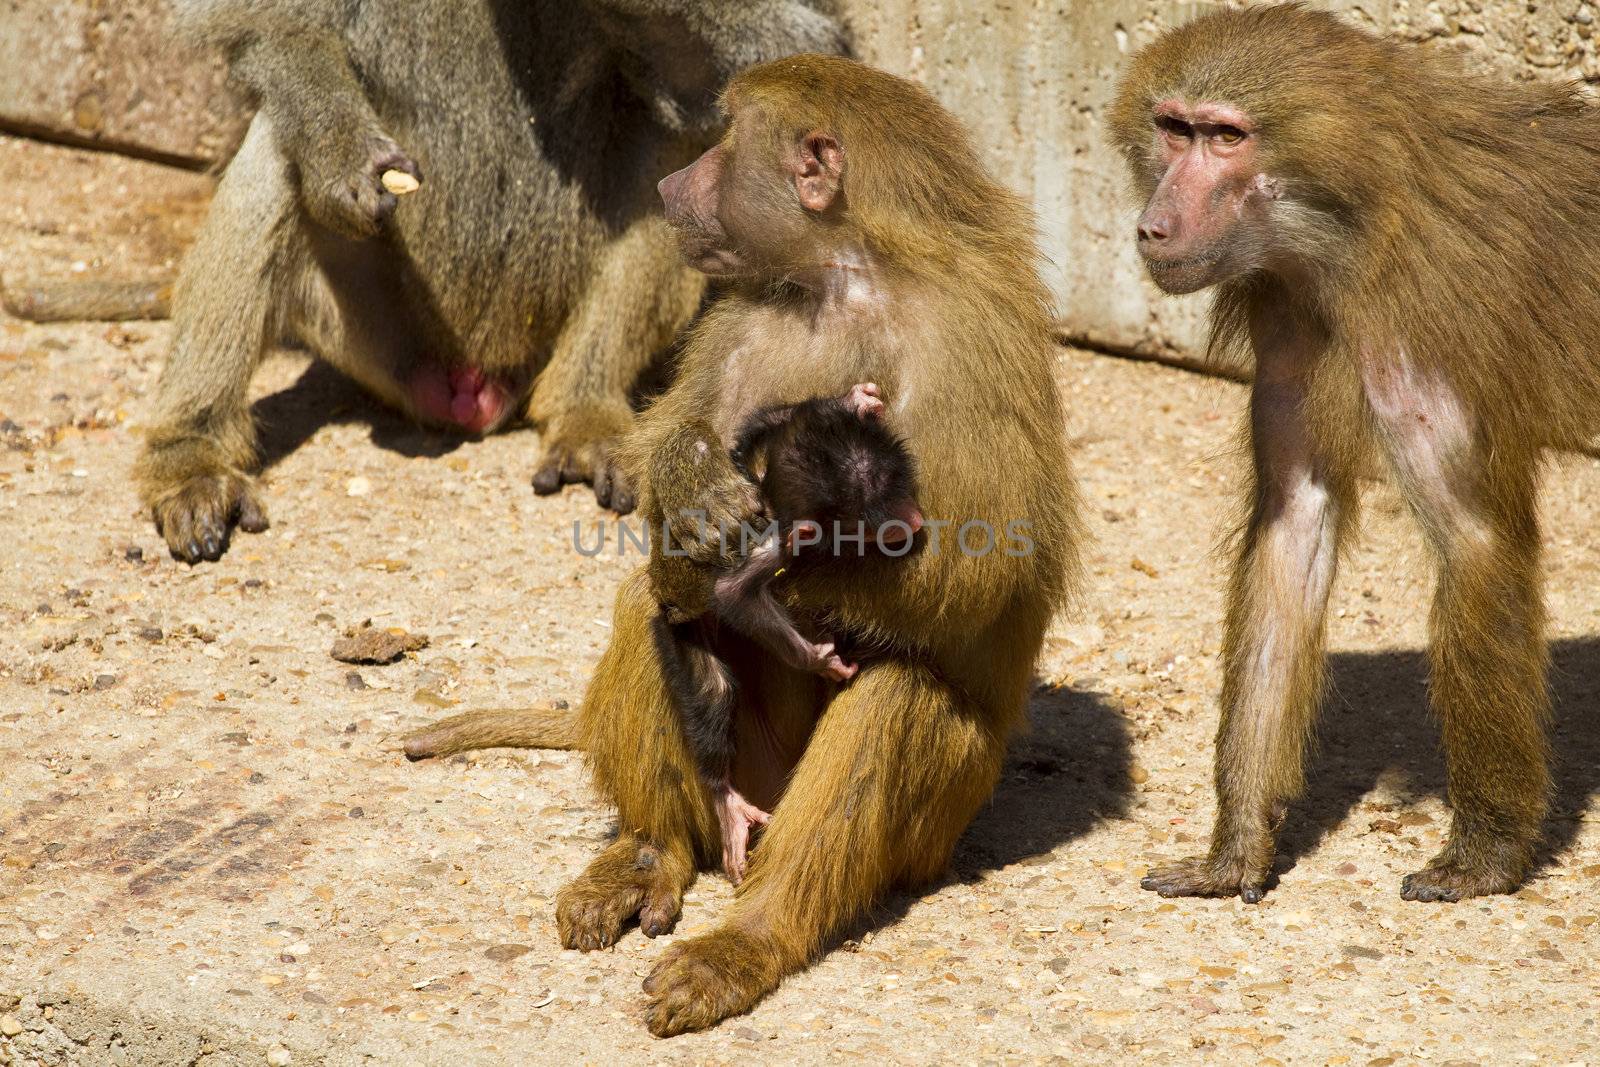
[924,281]
[1425,294]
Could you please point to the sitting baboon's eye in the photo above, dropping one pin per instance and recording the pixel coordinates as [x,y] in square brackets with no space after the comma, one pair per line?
[1228,134]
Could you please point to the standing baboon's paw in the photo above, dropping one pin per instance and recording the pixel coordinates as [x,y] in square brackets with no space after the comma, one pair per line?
[1205,876]
[701,981]
[585,456]
[1449,882]
[347,192]
[197,518]
[627,880]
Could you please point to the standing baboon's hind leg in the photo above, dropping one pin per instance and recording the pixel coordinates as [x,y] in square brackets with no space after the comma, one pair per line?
[1477,502]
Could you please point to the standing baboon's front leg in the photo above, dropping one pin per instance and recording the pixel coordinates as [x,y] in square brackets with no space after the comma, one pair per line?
[193,471]
[1476,501]
[638,298]
[1273,642]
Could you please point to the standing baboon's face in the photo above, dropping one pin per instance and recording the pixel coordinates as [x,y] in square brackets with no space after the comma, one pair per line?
[1207,219]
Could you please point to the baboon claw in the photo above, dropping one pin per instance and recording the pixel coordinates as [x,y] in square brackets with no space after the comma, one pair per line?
[1200,876]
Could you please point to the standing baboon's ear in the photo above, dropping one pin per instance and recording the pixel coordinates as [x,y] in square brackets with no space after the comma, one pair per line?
[678,54]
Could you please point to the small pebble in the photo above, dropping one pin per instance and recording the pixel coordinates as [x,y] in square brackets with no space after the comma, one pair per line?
[279,1057]
[104,681]
[133,554]
[357,486]
[10,1026]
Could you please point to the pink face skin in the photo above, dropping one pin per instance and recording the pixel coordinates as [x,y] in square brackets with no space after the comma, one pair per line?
[739,217]
[1196,229]
[692,202]
[463,397]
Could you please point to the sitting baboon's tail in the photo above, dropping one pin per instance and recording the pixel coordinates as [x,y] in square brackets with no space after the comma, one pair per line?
[494,728]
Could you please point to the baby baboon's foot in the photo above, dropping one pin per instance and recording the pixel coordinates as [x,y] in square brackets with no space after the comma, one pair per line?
[346,192]
[701,981]
[866,401]
[831,665]
[737,817]
[197,518]
[1449,877]
[628,879]
[580,447]
[1209,876]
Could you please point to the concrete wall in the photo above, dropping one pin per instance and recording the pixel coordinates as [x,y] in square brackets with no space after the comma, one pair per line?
[1031,77]
[1034,79]
[108,73]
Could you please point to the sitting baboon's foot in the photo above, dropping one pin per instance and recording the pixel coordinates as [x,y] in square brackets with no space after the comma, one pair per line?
[629,879]
[701,981]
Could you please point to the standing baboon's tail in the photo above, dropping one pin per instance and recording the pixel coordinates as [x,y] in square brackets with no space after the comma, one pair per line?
[494,728]
[87,299]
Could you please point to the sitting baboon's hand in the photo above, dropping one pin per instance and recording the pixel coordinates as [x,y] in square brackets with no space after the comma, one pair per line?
[700,495]
[197,517]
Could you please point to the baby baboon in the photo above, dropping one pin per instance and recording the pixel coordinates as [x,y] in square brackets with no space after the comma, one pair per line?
[830,475]
[529,273]
[1382,230]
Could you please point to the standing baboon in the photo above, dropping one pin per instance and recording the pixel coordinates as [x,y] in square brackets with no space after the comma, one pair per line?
[861,241]
[1413,257]
[531,276]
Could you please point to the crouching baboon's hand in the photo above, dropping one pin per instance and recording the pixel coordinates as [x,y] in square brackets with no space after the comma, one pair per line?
[342,186]
[581,446]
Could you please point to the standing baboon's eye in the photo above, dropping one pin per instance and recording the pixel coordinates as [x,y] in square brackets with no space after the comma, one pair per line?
[1174,127]
[1228,134]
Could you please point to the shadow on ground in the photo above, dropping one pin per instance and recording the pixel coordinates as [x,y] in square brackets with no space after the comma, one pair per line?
[1063,778]
[320,397]
[1376,724]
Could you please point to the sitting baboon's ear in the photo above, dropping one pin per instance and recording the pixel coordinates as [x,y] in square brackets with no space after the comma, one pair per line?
[678,54]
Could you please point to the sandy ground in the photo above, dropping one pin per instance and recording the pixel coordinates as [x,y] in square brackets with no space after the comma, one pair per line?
[210,853]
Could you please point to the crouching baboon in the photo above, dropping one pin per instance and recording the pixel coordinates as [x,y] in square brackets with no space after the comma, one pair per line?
[530,274]
[1411,255]
[861,241]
